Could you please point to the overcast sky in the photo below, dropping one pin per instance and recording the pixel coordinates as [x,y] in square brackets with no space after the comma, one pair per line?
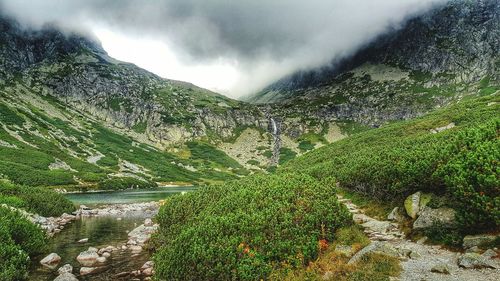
[232,46]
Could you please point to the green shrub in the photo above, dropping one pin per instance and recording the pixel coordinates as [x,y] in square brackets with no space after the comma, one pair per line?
[19,239]
[39,200]
[241,230]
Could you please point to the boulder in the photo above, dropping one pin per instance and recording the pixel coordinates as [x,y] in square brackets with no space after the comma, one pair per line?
[474,260]
[442,268]
[88,258]
[67,268]
[377,226]
[382,248]
[84,240]
[444,217]
[412,204]
[489,254]
[66,277]
[51,260]
[394,215]
[478,240]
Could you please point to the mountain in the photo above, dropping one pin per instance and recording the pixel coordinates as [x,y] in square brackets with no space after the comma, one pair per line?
[74,116]
[432,60]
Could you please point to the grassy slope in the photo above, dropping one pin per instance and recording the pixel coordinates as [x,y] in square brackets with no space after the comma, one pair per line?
[40,134]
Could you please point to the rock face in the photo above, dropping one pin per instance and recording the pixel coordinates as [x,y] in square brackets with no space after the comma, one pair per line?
[454,44]
[444,217]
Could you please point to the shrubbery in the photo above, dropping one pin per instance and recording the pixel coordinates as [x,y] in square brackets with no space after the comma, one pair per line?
[399,159]
[42,201]
[242,230]
[19,239]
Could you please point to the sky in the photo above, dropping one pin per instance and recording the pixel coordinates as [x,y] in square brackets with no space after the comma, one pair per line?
[235,47]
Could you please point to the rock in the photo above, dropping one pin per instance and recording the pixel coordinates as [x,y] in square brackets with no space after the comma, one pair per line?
[147,265]
[102,260]
[412,204]
[148,271]
[51,260]
[442,268]
[394,215]
[428,217]
[135,249]
[383,248]
[474,249]
[474,260]
[67,268]
[344,250]
[148,222]
[440,129]
[478,240]
[91,270]
[106,254]
[66,277]
[377,226]
[88,258]
[489,254]
[84,240]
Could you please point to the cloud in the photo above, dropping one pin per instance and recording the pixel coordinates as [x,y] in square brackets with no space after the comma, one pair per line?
[263,39]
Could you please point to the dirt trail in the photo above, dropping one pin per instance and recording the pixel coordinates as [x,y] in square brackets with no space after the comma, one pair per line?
[418,259]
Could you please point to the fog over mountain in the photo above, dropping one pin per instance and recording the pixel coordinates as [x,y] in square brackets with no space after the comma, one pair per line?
[260,41]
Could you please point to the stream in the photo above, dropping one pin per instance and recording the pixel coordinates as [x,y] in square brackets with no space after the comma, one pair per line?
[101,231]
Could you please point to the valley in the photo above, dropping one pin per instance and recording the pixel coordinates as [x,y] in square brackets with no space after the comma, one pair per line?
[381,164]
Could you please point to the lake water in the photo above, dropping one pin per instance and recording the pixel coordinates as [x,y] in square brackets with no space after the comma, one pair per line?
[101,232]
[126,196]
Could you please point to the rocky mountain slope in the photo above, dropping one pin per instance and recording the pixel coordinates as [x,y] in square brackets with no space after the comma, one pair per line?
[72,115]
[435,58]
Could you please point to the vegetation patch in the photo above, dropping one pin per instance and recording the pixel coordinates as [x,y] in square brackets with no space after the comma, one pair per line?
[243,230]
[404,157]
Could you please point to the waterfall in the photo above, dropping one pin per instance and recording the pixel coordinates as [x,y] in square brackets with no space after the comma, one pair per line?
[275,129]
[275,132]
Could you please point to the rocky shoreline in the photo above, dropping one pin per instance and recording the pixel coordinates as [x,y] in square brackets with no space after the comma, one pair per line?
[96,260]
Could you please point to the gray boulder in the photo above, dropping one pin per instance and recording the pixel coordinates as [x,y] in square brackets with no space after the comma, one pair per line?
[51,260]
[428,217]
[382,248]
[67,268]
[474,260]
[442,268]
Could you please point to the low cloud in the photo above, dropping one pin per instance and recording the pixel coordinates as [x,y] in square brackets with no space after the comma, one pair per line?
[263,40]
